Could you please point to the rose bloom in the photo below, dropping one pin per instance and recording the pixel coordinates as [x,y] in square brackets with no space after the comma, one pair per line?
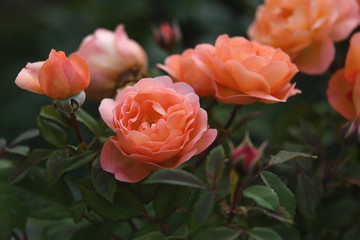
[158,124]
[305,29]
[235,70]
[112,57]
[344,86]
[58,77]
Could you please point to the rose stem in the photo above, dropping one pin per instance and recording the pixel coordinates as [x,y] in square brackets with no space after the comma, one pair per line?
[235,199]
[238,192]
[76,127]
[219,139]
[25,237]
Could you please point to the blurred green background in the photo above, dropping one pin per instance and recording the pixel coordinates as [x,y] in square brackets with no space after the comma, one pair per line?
[30,29]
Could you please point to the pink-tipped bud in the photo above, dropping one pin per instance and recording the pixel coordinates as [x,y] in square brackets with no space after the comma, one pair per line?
[167,36]
[245,157]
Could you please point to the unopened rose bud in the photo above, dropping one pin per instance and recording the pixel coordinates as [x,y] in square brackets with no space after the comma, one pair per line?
[167,36]
[245,157]
[58,77]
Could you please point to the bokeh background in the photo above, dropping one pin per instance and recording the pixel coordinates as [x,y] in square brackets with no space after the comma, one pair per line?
[30,29]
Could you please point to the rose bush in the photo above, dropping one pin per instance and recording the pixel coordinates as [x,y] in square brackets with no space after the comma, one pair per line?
[58,77]
[158,124]
[235,70]
[305,29]
[110,55]
[344,86]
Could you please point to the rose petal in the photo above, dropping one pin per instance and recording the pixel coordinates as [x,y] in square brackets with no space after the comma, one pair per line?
[317,58]
[124,169]
[28,77]
[337,94]
[245,79]
[106,109]
[352,63]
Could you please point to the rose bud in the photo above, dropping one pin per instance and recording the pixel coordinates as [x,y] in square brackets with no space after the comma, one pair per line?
[58,77]
[167,36]
[114,60]
[245,157]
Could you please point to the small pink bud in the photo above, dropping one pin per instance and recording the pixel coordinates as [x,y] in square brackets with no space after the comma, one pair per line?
[167,36]
[246,156]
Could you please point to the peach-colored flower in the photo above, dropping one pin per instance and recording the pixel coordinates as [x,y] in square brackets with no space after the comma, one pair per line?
[158,124]
[305,29]
[358,2]
[235,70]
[344,86]
[110,55]
[58,77]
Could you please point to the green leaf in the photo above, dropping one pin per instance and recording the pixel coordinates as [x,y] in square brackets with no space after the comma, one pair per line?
[280,214]
[5,225]
[284,156]
[217,233]
[76,161]
[78,209]
[25,165]
[180,233]
[50,112]
[214,165]
[286,197]
[52,133]
[168,199]
[261,233]
[144,194]
[20,150]
[148,228]
[125,205]
[59,163]
[25,136]
[89,122]
[176,177]
[90,232]
[40,200]
[15,209]
[54,163]
[104,182]
[202,209]
[151,236]
[263,196]
[307,195]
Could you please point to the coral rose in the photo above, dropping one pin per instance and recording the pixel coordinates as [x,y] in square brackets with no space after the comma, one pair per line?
[158,124]
[344,86]
[235,70]
[58,77]
[112,57]
[305,29]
